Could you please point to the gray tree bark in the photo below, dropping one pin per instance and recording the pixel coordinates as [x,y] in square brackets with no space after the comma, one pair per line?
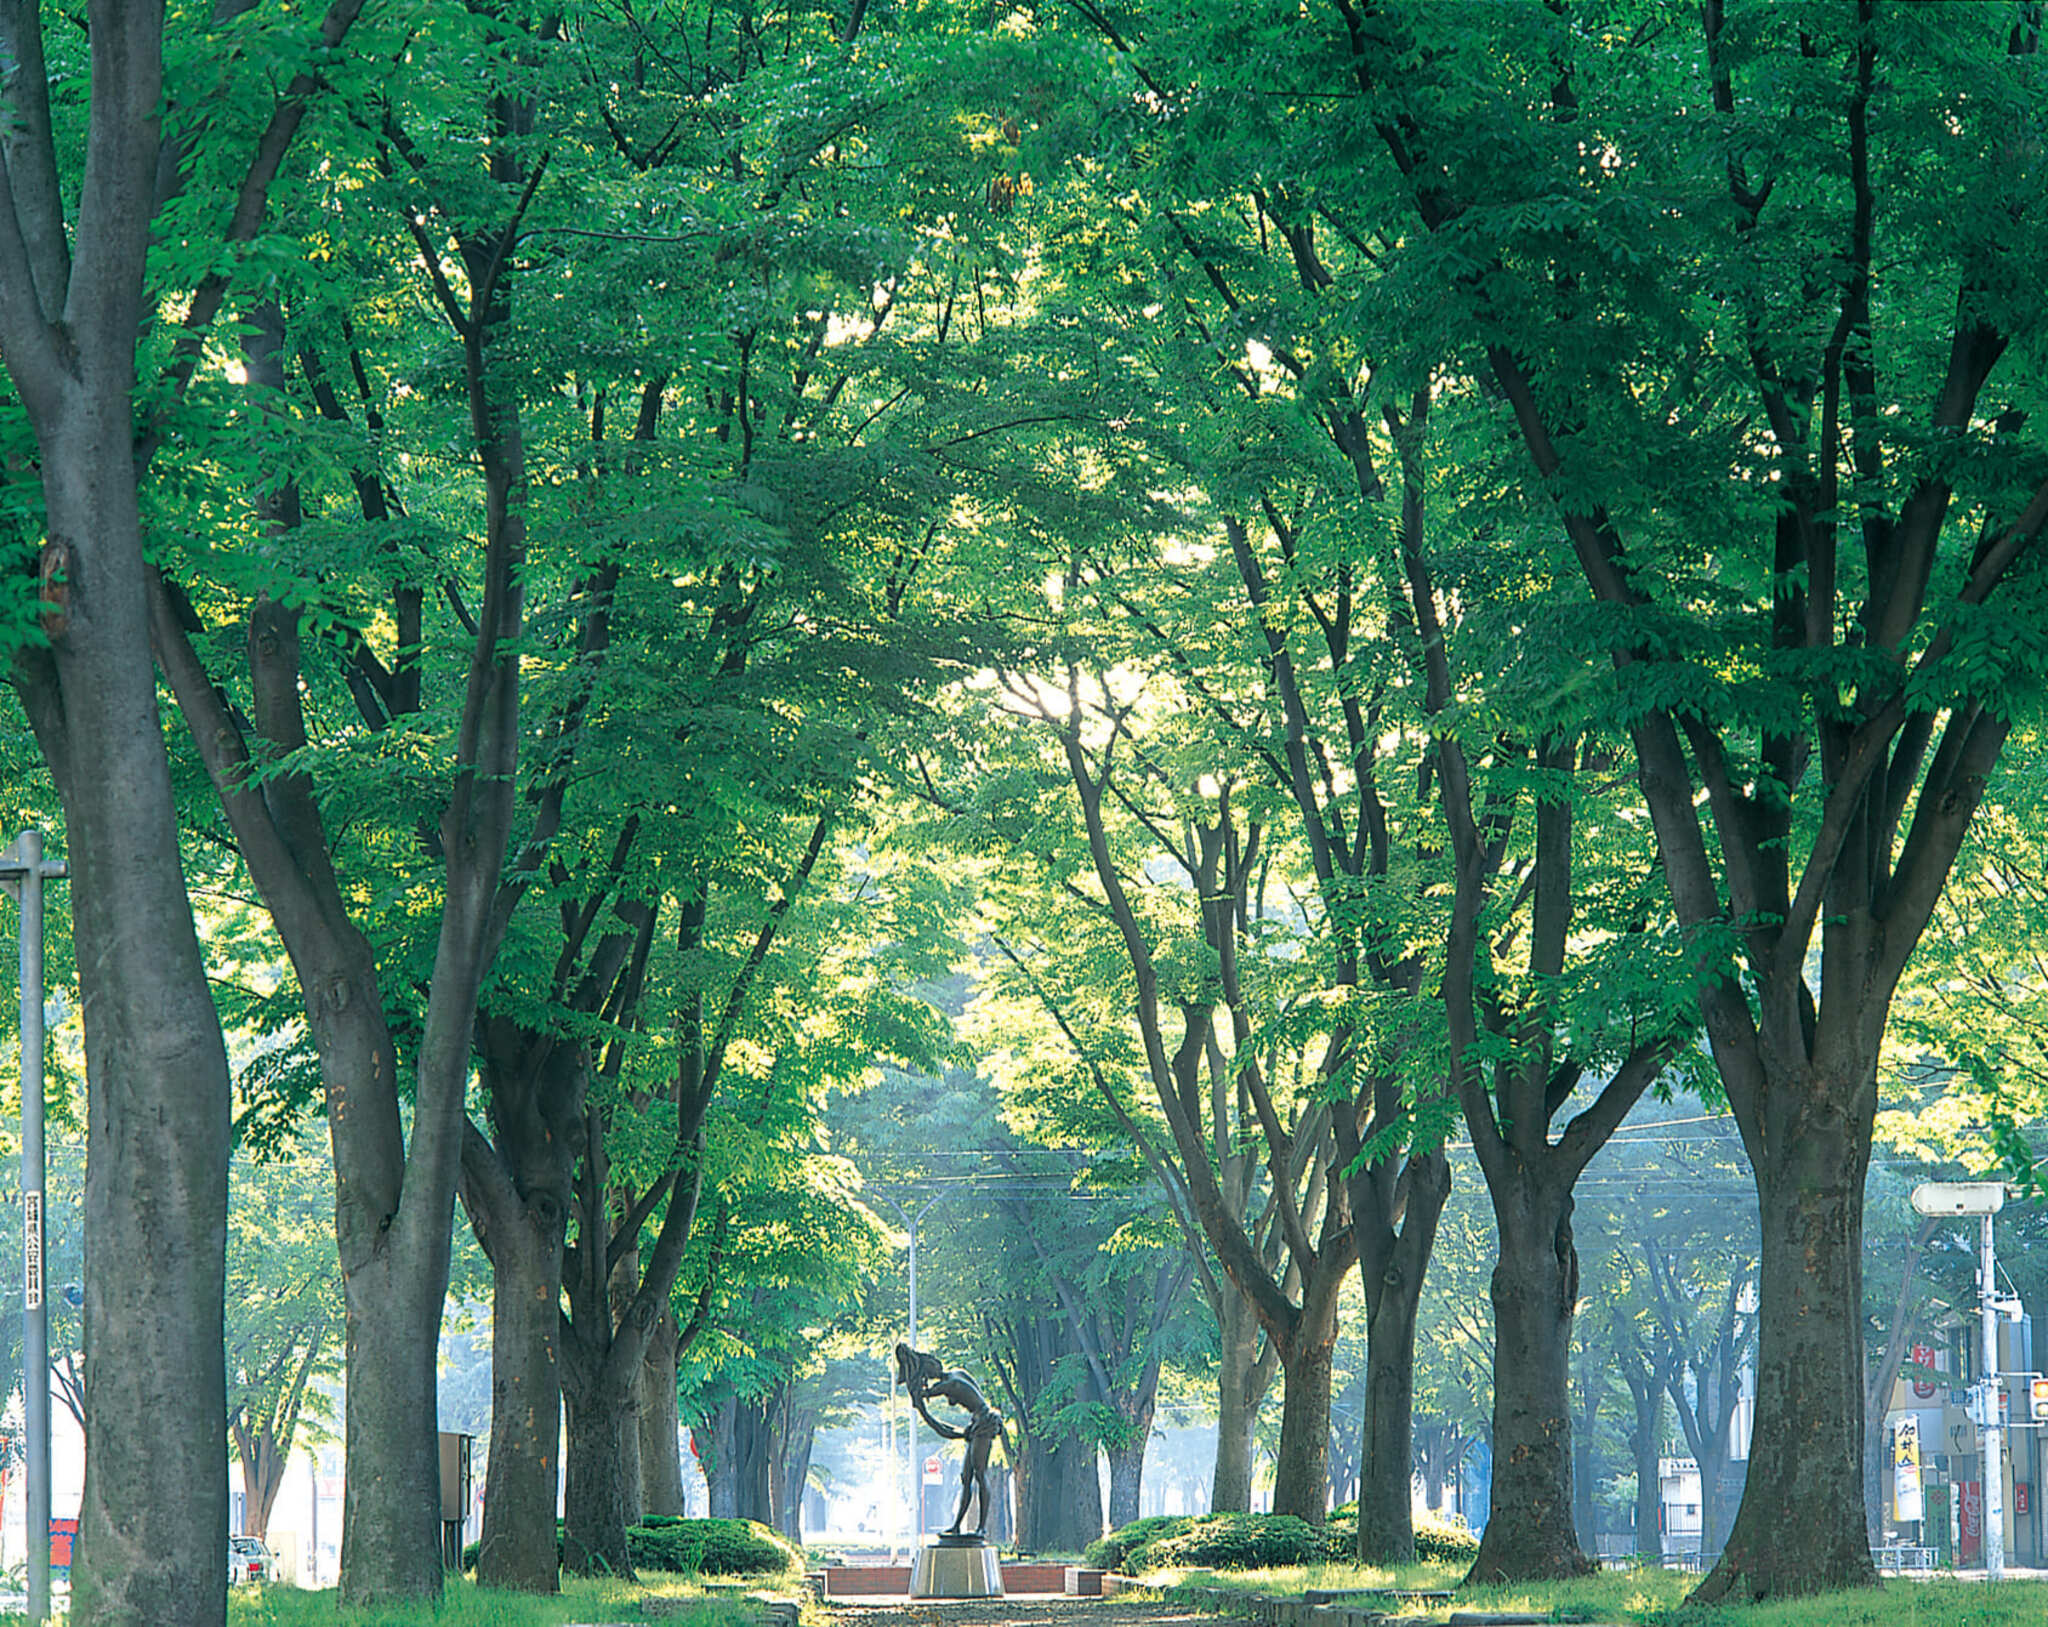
[1244,1373]
[153,1525]
[661,1454]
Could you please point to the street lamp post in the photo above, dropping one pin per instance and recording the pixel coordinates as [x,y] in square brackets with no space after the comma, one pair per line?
[911,1215]
[23,870]
[1982,1199]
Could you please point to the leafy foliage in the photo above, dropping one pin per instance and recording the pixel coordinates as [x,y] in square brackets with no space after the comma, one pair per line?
[1113,1552]
[712,1547]
[1438,1536]
[702,1548]
[1232,1542]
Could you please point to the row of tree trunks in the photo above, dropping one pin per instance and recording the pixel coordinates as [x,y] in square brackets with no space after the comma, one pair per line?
[1832,823]
[736,1447]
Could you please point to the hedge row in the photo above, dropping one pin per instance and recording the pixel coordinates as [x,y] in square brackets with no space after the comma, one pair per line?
[697,1547]
[1259,1542]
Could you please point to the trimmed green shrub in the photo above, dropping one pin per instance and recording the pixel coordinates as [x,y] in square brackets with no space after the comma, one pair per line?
[697,1547]
[1445,1537]
[1340,1534]
[1109,1553]
[711,1547]
[1232,1542]
[1442,1537]
[1256,1541]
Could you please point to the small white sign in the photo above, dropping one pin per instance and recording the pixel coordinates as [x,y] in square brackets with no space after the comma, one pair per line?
[32,1249]
[934,1471]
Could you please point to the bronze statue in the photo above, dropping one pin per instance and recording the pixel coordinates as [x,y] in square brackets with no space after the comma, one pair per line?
[923,1374]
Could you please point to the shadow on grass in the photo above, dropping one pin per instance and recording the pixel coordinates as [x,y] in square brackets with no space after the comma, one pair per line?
[1653,1597]
[653,1597]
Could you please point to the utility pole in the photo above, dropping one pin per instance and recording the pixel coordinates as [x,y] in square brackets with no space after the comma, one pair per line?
[1982,1199]
[911,1215]
[23,870]
[1994,1438]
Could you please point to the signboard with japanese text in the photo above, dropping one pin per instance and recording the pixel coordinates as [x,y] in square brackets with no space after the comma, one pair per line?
[1906,1503]
[32,1249]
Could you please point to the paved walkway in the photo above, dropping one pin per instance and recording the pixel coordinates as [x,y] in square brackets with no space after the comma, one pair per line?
[1034,1610]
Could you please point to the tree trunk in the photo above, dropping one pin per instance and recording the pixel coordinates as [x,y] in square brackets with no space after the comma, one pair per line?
[1800,1528]
[1065,1497]
[1126,1476]
[153,1524]
[624,1285]
[602,1412]
[1713,1460]
[753,1451]
[391,1494]
[1301,1479]
[263,1468]
[1241,1381]
[1024,1478]
[1081,1508]
[1644,1441]
[1059,1499]
[793,1435]
[630,1473]
[1432,1469]
[518,1548]
[1386,1517]
[1583,1520]
[1392,1263]
[661,1425]
[721,1465]
[1529,1535]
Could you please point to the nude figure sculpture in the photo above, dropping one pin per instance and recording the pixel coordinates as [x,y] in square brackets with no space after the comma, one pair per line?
[924,1376]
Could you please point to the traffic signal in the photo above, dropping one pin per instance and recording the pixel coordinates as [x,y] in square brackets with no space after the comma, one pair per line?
[2037,1400]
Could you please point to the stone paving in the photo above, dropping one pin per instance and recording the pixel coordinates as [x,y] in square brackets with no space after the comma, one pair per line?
[1030,1611]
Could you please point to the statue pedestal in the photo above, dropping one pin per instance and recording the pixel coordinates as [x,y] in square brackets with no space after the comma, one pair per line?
[956,1568]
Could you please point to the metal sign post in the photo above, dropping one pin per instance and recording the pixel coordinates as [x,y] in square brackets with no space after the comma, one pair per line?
[23,870]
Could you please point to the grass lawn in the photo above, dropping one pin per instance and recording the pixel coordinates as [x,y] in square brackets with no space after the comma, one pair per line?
[1655,1598]
[655,1597]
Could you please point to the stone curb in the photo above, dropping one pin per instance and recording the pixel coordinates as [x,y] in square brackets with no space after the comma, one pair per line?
[772,1610]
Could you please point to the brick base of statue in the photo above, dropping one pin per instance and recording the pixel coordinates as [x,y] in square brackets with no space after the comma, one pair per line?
[956,1568]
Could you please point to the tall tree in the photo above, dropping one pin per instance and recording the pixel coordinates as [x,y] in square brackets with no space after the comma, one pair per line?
[1708,1330]
[1118,1294]
[394,1193]
[1212,1071]
[770,637]
[1062,1094]
[1709,300]
[73,305]
[1217,301]
[285,1315]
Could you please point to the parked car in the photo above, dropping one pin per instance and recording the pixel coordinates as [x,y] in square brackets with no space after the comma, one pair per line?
[249,1560]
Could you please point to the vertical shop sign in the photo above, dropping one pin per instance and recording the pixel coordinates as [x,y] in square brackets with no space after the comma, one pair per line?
[1906,1504]
[1971,1503]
